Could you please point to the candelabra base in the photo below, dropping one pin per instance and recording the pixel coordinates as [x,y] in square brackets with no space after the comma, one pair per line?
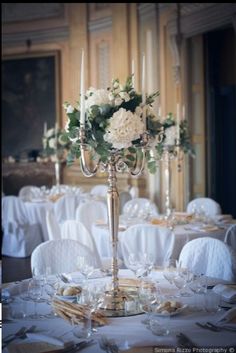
[117,303]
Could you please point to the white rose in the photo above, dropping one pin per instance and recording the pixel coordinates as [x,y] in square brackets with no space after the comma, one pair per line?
[118,101]
[124,127]
[170,133]
[99,97]
[125,96]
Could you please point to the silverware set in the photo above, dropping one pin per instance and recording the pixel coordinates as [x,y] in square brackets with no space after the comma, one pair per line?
[21,333]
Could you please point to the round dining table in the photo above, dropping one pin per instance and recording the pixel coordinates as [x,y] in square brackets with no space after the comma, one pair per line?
[128,332]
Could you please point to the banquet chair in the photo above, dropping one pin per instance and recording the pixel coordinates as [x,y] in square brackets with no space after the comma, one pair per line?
[204,204]
[209,256]
[140,207]
[125,196]
[27,193]
[99,190]
[150,239]
[20,236]
[59,255]
[53,227]
[65,207]
[90,212]
[230,236]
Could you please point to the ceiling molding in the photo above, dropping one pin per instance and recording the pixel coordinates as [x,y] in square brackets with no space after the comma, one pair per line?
[147,11]
[204,19]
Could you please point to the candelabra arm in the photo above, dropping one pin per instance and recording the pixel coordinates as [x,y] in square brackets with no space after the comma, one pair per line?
[134,171]
[85,161]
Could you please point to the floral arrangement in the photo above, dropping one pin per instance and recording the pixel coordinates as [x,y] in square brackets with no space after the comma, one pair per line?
[56,144]
[174,137]
[116,118]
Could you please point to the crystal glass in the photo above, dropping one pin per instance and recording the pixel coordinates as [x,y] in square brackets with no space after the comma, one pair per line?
[85,265]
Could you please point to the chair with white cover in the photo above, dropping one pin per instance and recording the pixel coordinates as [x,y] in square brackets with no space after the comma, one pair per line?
[99,190]
[150,239]
[73,229]
[209,256]
[65,207]
[125,196]
[230,236]
[53,227]
[140,207]
[204,204]
[29,192]
[20,236]
[59,255]
[90,212]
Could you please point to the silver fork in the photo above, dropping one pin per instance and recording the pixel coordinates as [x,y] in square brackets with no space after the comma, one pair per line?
[19,334]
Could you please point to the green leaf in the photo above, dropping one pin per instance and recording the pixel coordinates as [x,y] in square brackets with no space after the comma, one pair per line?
[130,157]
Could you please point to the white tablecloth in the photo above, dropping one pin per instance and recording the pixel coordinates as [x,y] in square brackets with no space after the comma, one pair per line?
[130,330]
[182,236]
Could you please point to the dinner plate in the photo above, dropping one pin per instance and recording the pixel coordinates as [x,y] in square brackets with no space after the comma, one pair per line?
[177,312]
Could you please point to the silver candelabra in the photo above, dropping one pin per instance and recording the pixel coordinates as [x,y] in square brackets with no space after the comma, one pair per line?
[114,300]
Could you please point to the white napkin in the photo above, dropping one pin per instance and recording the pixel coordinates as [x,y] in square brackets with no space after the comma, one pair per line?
[227,316]
[227,292]
[44,338]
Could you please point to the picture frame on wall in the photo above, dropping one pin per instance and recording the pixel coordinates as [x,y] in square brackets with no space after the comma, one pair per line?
[30,98]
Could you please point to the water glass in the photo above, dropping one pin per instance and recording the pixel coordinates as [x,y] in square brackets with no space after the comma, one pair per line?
[82,328]
[212,302]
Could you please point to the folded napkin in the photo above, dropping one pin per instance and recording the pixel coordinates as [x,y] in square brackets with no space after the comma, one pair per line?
[227,292]
[67,310]
[228,316]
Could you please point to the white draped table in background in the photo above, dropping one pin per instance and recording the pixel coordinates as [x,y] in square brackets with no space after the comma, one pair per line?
[130,331]
[183,235]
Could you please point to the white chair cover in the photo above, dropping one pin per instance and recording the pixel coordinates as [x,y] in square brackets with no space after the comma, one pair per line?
[65,207]
[125,196]
[91,211]
[29,192]
[60,255]
[139,206]
[230,236]
[99,190]
[53,227]
[19,236]
[72,229]
[150,239]
[210,207]
[209,256]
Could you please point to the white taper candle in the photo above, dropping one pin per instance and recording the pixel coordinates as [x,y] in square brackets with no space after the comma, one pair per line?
[178,123]
[132,72]
[82,102]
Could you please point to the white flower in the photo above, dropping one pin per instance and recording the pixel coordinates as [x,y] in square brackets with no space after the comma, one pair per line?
[118,101]
[50,132]
[98,97]
[125,96]
[170,133]
[124,127]
[69,109]
[52,143]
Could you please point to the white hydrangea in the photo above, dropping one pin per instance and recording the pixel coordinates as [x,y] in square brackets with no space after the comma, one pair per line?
[100,96]
[69,109]
[52,143]
[171,135]
[124,127]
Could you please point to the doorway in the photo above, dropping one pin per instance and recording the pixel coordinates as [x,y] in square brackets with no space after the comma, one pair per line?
[220,83]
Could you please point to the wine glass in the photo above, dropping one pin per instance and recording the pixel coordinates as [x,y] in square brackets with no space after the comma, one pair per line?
[135,265]
[85,266]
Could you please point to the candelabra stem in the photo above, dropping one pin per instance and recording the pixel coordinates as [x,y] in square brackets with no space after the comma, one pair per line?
[113,217]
